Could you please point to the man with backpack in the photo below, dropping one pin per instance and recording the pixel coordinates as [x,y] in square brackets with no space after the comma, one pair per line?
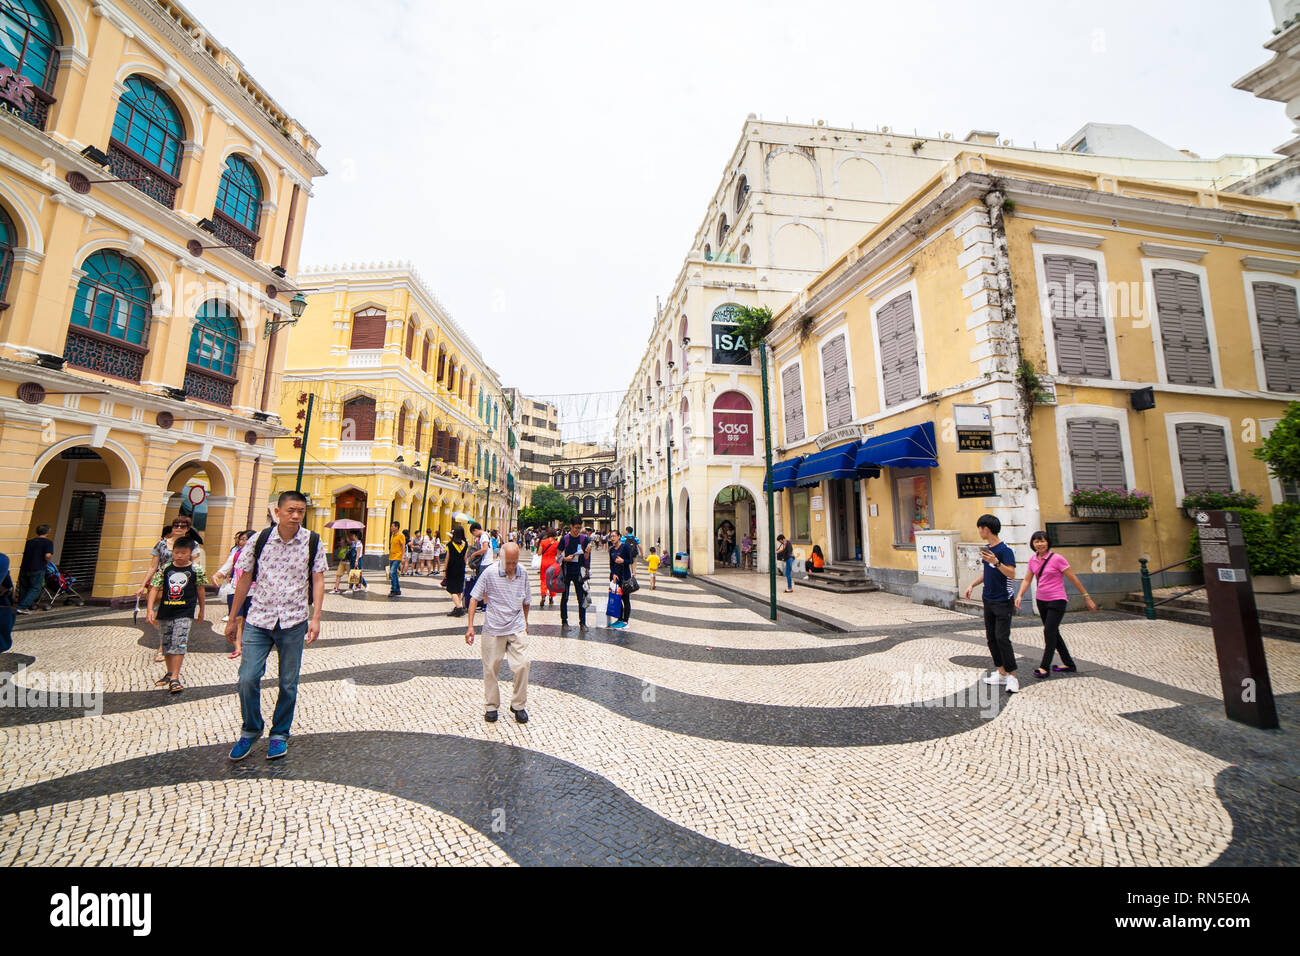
[574,552]
[285,569]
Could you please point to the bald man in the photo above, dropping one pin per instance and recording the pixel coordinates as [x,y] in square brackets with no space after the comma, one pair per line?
[504,588]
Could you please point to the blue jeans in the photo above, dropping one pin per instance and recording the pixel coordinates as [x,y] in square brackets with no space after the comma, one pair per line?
[258,641]
[789,572]
[29,588]
[394,568]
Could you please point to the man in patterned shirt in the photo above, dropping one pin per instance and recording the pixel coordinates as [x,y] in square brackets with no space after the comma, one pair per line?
[287,565]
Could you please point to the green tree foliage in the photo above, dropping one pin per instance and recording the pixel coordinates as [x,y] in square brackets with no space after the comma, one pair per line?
[546,507]
[1281,449]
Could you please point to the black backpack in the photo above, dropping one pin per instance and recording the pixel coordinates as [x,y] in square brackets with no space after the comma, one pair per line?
[313,545]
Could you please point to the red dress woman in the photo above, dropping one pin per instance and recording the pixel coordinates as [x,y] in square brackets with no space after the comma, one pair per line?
[547,550]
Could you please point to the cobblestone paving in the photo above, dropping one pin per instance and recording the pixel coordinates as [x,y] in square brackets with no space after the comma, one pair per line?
[702,734]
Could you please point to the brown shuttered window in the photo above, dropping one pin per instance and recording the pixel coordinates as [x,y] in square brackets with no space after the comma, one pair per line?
[442,362]
[424,356]
[368,327]
[410,339]
[1096,453]
[360,412]
[401,426]
[1203,453]
[1279,335]
[899,364]
[419,433]
[835,382]
[1184,338]
[792,402]
[1078,323]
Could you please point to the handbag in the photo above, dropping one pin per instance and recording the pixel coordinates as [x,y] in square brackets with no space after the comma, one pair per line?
[536,562]
[630,586]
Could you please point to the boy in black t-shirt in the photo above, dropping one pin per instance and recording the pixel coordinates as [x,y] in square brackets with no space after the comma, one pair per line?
[31,573]
[174,593]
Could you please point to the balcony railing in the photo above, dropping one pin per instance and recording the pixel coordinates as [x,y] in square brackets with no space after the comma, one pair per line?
[354,450]
[365,358]
[29,103]
[99,353]
[208,386]
[150,180]
[231,233]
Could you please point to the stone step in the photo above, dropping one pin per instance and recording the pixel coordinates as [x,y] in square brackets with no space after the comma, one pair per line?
[855,585]
[1173,611]
[1191,602]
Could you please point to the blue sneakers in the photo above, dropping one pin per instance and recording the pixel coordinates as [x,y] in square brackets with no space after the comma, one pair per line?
[276,748]
[242,746]
[619,625]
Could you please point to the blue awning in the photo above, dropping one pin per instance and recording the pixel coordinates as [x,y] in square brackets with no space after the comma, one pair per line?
[784,472]
[837,462]
[912,447]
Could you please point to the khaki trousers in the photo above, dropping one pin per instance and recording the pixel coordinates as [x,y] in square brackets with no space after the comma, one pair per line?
[494,649]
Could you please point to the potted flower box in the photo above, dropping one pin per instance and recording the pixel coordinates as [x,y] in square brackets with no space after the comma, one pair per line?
[1219,501]
[1109,503]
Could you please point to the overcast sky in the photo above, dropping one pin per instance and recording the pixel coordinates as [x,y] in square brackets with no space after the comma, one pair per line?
[546,166]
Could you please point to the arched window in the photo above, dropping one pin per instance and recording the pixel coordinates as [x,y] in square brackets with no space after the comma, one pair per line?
[359,419]
[682,333]
[733,425]
[214,354]
[723,229]
[588,505]
[410,339]
[8,238]
[148,128]
[369,327]
[744,255]
[573,479]
[419,432]
[29,44]
[588,478]
[708,252]
[558,481]
[424,354]
[573,502]
[604,477]
[742,193]
[239,206]
[442,361]
[110,316]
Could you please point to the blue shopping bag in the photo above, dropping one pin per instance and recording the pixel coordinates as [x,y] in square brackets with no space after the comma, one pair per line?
[615,606]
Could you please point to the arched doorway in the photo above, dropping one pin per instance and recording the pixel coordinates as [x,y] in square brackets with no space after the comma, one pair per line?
[198,490]
[84,496]
[735,516]
[351,503]
[683,530]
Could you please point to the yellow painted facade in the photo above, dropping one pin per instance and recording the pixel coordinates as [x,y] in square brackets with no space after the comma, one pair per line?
[977,283]
[132,369]
[397,389]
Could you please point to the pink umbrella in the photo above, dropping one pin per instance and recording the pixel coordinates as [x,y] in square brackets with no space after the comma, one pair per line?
[345,524]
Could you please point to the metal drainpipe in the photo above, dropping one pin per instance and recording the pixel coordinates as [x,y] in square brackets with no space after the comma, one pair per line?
[1029,504]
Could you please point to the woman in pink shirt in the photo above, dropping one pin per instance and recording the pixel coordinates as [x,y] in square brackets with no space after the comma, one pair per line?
[1050,570]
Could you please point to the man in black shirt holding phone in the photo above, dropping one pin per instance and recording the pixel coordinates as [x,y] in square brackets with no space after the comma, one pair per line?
[999,573]
[575,551]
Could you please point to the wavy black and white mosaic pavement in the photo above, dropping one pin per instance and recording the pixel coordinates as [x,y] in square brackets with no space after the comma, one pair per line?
[703,734]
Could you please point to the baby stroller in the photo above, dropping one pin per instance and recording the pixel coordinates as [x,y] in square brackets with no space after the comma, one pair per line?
[59,585]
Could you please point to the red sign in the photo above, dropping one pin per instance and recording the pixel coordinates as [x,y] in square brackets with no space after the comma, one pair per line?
[733,433]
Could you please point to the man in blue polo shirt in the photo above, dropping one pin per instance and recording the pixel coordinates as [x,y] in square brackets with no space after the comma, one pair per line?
[999,573]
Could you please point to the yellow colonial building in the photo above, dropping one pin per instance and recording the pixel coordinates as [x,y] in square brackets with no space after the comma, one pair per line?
[399,397]
[152,196]
[792,198]
[1016,331]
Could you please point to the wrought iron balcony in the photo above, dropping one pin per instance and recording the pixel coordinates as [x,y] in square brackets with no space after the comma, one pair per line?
[107,356]
[29,103]
[150,180]
[205,385]
[231,233]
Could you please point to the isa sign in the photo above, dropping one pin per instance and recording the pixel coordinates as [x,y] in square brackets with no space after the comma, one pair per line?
[934,556]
